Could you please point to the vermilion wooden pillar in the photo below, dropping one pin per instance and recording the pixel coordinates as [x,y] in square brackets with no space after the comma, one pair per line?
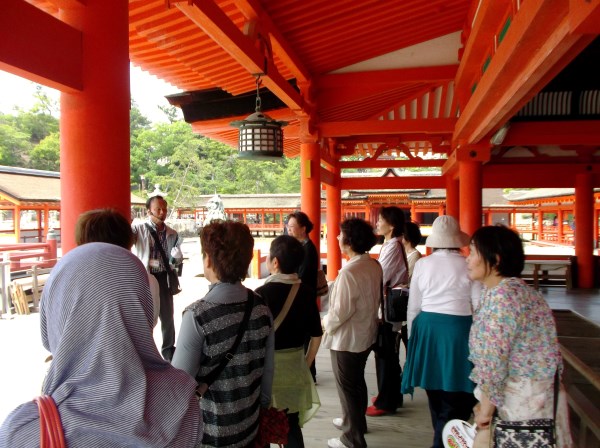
[452,197]
[559,219]
[540,228]
[470,188]
[584,238]
[334,213]
[94,123]
[310,188]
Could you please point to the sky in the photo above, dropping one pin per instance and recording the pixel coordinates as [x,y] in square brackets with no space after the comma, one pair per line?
[147,90]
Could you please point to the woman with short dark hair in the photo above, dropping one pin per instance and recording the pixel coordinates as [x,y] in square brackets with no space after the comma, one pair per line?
[392,258]
[351,327]
[209,328]
[293,386]
[513,342]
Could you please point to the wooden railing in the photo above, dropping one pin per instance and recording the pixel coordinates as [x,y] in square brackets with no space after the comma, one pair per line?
[579,341]
[25,261]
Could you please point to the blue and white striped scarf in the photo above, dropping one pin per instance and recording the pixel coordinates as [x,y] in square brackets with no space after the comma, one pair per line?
[111,386]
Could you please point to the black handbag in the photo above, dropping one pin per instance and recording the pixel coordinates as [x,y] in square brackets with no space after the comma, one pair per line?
[396,304]
[396,300]
[174,286]
[533,433]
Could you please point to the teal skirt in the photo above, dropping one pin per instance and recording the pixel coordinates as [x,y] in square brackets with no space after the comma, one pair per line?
[438,354]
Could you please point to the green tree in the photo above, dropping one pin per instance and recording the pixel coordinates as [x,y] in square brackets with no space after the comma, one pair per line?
[46,154]
[13,143]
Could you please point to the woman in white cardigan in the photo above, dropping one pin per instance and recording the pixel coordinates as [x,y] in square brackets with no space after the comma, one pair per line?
[350,328]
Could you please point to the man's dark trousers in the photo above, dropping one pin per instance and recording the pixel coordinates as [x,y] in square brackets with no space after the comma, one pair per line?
[167,323]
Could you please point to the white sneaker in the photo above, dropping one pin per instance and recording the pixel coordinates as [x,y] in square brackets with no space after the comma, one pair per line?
[335,443]
[338,423]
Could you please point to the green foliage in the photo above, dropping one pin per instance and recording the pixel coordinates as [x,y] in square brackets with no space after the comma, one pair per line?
[46,155]
[13,143]
[184,164]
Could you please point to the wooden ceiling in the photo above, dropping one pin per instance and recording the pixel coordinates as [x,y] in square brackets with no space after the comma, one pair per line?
[423,77]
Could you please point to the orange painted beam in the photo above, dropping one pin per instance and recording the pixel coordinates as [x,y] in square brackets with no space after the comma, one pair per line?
[310,188]
[553,133]
[398,183]
[281,47]
[486,24]
[327,177]
[209,17]
[584,16]
[537,175]
[536,47]
[370,163]
[377,127]
[387,78]
[584,229]
[39,47]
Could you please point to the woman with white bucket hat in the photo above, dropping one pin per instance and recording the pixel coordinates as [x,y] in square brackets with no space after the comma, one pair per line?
[439,320]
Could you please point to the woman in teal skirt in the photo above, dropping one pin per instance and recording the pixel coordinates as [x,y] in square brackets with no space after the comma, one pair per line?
[440,307]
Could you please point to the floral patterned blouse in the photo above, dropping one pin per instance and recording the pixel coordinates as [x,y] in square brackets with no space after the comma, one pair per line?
[513,335]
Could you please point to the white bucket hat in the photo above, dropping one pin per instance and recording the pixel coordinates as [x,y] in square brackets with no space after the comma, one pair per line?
[445,234]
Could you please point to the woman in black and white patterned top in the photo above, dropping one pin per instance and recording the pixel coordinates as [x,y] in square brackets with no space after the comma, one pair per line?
[230,407]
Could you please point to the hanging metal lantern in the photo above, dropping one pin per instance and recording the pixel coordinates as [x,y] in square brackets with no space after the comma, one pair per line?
[260,136]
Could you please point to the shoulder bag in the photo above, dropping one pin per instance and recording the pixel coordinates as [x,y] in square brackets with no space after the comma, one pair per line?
[322,285]
[51,430]
[174,285]
[384,345]
[533,433]
[396,300]
[273,424]
[205,382]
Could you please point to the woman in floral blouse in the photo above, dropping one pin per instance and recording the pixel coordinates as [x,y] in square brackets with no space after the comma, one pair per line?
[513,342]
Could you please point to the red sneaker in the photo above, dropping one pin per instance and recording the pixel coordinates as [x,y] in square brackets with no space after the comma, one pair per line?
[372,411]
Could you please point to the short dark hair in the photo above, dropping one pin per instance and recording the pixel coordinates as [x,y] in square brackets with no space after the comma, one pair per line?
[500,248]
[288,251]
[104,225]
[358,234]
[394,216]
[302,219]
[152,198]
[230,247]
[412,233]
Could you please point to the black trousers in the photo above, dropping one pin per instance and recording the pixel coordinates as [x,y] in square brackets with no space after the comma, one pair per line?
[349,372]
[389,373]
[167,323]
[445,406]
[295,439]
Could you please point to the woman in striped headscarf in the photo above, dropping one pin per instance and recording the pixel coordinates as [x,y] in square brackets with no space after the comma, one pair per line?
[111,386]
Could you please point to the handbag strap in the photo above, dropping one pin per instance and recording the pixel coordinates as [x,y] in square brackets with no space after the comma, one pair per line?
[403,250]
[381,302]
[160,248]
[287,305]
[556,390]
[205,382]
[51,430]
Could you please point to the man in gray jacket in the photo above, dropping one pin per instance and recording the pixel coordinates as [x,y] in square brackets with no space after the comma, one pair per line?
[146,249]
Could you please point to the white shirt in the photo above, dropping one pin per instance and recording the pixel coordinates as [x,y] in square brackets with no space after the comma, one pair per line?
[440,284]
[392,262]
[351,322]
